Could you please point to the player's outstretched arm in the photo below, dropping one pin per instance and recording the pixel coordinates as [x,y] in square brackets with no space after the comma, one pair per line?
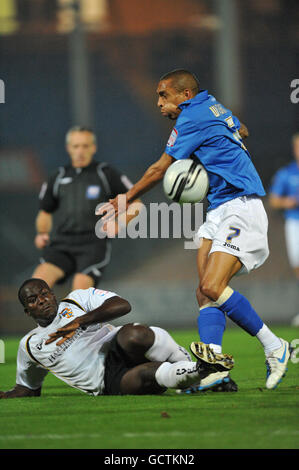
[19,391]
[282,202]
[112,308]
[151,177]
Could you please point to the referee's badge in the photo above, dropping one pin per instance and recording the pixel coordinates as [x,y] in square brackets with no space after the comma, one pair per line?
[93,192]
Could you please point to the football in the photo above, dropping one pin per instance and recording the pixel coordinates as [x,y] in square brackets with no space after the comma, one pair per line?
[186,181]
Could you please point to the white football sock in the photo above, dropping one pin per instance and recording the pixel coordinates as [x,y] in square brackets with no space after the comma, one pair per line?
[269,340]
[165,348]
[216,348]
[178,375]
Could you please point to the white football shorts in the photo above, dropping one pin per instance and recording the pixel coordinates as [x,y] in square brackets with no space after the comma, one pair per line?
[238,227]
[292,241]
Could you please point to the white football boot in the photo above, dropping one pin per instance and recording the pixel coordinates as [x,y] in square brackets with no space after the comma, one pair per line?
[216,382]
[276,363]
[213,380]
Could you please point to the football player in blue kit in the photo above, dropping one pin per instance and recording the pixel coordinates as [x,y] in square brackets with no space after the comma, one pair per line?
[233,238]
[284,195]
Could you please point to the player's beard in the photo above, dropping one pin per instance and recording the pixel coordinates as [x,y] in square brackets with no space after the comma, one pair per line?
[171,117]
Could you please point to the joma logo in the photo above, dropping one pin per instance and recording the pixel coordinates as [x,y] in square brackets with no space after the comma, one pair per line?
[234,247]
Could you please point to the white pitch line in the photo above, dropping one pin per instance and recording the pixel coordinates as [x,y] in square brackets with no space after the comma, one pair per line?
[92,436]
[156,434]
[48,436]
[15,437]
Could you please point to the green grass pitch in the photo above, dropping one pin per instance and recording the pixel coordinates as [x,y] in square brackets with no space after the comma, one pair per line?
[253,418]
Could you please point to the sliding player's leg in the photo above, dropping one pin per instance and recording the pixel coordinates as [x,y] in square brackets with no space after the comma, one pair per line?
[142,343]
[155,344]
[135,349]
[156,377]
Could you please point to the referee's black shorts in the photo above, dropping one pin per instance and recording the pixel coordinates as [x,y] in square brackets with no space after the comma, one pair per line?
[83,253]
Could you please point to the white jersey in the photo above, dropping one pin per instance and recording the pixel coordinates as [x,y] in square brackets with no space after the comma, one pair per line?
[79,361]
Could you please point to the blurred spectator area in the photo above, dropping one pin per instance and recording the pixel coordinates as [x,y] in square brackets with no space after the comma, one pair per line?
[130,16]
[141,17]
[20,171]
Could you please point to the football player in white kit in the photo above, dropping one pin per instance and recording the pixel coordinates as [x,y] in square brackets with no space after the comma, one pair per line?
[74,341]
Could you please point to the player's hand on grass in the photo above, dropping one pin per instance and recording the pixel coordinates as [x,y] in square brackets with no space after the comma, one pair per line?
[41,240]
[9,394]
[19,391]
[113,208]
[66,332]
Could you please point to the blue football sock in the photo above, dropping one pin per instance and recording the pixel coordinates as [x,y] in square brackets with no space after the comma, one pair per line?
[240,311]
[211,325]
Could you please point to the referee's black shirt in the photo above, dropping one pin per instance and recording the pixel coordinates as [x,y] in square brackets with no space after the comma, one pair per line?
[72,195]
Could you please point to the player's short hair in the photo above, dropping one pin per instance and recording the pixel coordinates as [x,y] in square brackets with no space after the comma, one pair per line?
[80,129]
[33,280]
[182,79]
[295,136]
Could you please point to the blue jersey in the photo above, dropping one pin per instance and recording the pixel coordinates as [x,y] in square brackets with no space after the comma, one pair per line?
[208,131]
[286,184]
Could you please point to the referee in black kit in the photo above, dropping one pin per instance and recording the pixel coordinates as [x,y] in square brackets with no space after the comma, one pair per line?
[67,210]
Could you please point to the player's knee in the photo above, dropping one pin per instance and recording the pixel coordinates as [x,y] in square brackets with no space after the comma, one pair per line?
[135,338]
[82,281]
[210,289]
[198,293]
[49,273]
[201,298]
